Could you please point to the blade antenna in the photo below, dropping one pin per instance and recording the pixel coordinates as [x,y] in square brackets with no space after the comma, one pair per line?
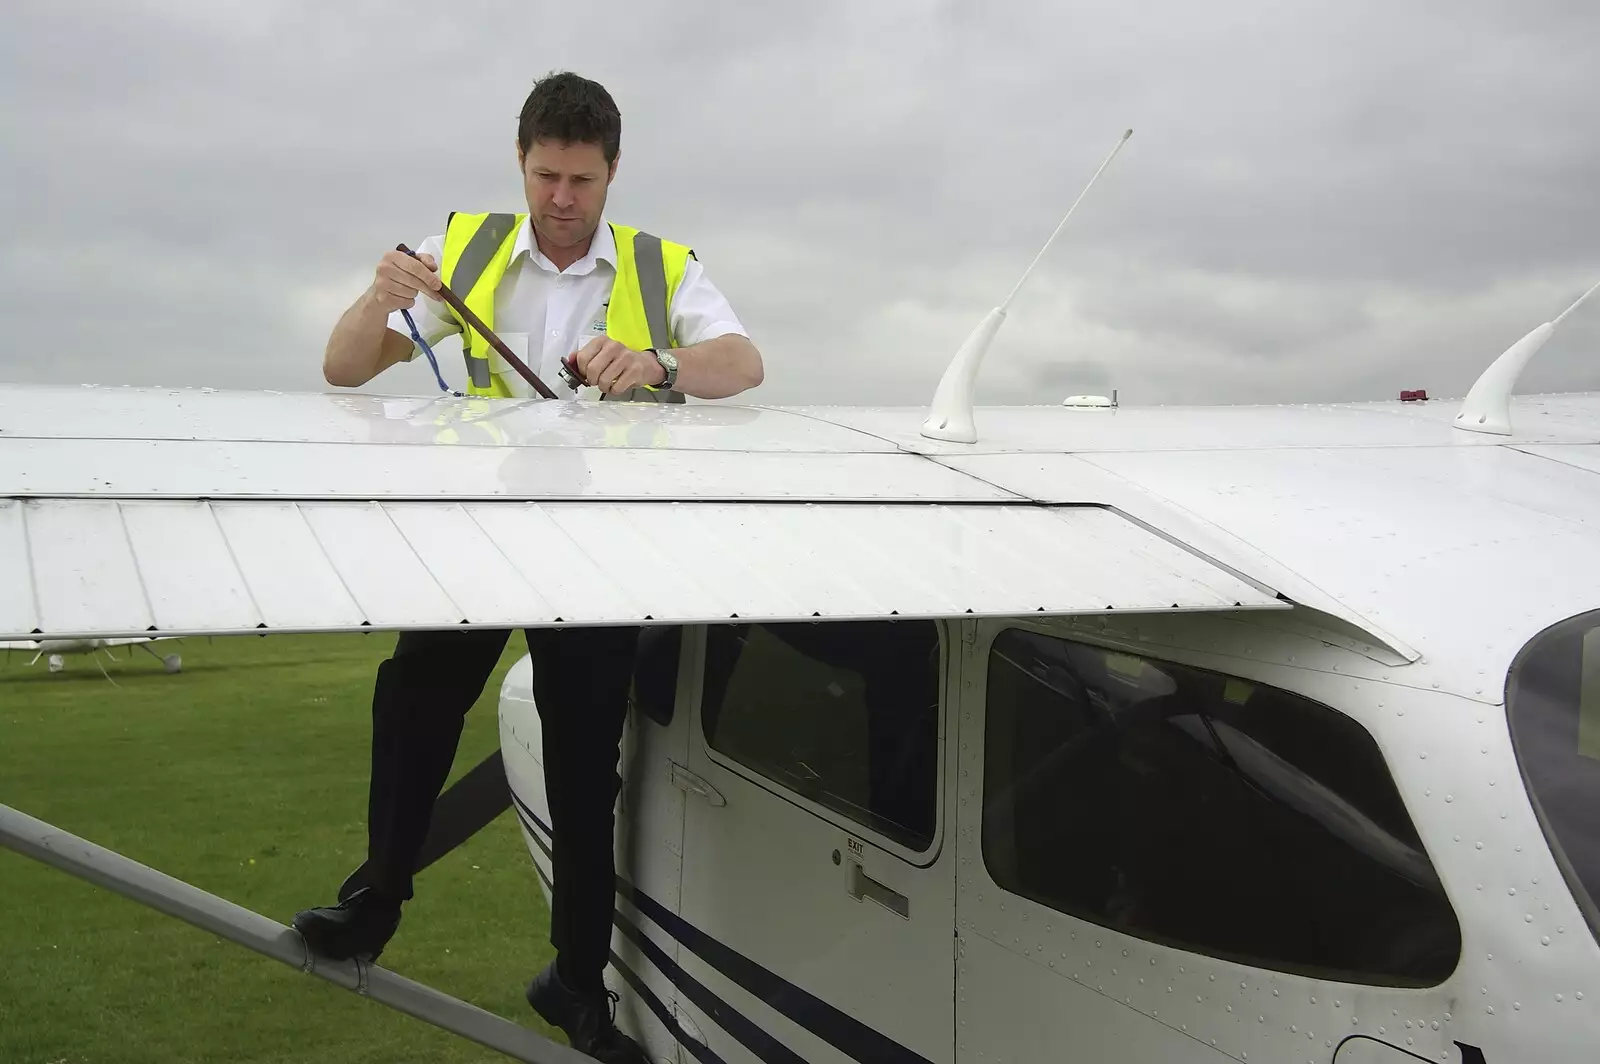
[1487,407]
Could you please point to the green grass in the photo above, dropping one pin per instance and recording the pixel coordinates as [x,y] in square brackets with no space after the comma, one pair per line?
[245,775]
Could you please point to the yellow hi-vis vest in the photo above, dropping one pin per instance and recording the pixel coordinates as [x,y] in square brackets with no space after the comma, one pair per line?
[477,251]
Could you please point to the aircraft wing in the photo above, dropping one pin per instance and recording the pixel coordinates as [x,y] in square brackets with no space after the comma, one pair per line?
[136,512]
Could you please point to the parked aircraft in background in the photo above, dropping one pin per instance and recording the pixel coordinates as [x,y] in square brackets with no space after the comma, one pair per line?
[58,650]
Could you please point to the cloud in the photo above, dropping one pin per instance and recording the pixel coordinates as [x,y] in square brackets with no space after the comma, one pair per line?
[1321,200]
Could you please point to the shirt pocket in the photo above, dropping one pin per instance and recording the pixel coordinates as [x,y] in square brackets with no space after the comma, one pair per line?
[518,343]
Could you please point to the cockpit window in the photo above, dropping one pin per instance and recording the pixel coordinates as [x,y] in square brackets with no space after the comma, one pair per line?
[1205,812]
[1553,699]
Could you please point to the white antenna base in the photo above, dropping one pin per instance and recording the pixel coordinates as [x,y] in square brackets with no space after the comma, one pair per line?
[1487,407]
[950,417]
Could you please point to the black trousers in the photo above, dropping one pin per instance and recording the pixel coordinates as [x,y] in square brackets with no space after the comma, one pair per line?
[581,678]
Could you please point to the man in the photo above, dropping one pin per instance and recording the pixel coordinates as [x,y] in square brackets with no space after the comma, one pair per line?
[644,322]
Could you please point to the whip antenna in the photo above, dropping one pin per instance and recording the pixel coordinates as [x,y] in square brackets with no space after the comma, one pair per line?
[1581,300]
[1063,223]
[950,417]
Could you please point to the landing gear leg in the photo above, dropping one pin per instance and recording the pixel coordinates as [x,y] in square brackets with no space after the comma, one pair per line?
[172,662]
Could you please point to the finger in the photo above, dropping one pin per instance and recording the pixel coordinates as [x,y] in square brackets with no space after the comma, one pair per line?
[436,282]
[602,364]
[600,372]
[422,271]
[587,353]
[394,288]
[398,267]
[625,377]
[402,284]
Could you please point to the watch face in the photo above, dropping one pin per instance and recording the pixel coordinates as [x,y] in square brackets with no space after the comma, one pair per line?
[669,366]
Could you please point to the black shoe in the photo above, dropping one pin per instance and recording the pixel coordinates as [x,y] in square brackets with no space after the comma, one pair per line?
[588,1019]
[360,926]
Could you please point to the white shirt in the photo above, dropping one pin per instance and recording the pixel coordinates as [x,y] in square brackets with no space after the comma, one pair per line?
[544,314]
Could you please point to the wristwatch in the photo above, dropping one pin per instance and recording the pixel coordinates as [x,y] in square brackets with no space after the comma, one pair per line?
[669,364]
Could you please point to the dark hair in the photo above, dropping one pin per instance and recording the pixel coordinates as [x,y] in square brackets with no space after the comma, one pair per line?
[573,110]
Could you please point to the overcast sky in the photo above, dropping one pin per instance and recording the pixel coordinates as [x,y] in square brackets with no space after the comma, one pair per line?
[1322,199]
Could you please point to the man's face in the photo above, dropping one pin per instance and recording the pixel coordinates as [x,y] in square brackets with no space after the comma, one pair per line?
[566,189]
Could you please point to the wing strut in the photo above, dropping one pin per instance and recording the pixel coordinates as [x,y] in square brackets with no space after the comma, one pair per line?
[52,846]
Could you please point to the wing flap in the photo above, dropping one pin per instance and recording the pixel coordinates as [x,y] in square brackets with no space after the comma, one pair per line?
[389,581]
[186,568]
[18,610]
[573,583]
[105,568]
[83,568]
[292,581]
[462,558]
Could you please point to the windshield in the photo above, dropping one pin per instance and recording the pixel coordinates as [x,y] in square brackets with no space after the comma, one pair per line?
[1554,704]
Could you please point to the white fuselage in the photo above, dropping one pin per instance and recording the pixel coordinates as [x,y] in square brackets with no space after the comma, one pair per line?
[744,898]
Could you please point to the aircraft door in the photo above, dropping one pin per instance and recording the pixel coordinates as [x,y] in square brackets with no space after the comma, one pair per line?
[819,886]
[650,815]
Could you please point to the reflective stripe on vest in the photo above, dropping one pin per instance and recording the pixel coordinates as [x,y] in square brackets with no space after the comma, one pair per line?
[477,252]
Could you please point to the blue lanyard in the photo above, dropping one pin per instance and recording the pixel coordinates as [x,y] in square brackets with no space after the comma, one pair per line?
[443,387]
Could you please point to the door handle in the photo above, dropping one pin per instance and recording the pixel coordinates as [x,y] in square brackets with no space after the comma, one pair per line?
[690,783]
[864,886]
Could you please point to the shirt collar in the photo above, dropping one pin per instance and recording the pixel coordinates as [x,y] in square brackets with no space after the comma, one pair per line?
[602,248]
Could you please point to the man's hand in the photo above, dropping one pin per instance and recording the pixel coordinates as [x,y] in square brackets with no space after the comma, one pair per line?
[400,277]
[616,368]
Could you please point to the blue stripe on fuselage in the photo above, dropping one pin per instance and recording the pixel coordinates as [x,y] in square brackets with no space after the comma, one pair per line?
[843,1032]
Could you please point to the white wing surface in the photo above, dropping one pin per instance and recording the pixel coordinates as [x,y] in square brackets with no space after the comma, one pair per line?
[127,512]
